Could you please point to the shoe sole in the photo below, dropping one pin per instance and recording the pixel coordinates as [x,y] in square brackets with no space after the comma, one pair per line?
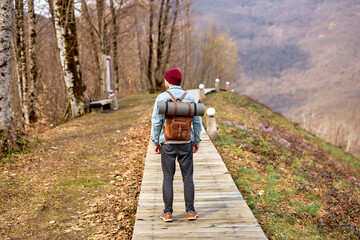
[166,220]
[193,218]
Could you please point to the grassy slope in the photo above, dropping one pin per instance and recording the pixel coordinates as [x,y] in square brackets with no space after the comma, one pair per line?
[298,186]
[85,175]
[81,180]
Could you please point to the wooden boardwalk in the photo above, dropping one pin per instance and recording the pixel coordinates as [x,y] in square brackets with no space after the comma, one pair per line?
[196,92]
[223,213]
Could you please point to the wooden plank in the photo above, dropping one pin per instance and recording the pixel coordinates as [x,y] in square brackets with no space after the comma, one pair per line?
[223,213]
[196,93]
[98,106]
[102,102]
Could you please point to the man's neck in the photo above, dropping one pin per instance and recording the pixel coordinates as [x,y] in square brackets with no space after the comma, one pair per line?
[173,85]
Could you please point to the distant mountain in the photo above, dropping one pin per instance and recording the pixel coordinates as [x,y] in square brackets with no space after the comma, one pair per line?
[301,58]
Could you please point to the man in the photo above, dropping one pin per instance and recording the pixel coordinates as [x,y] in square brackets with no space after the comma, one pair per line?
[170,150]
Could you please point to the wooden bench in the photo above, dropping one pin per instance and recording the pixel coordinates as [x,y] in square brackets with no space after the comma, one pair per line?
[99,106]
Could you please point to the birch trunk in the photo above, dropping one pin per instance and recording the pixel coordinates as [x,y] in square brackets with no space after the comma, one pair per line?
[21,62]
[65,30]
[32,63]
[6,119]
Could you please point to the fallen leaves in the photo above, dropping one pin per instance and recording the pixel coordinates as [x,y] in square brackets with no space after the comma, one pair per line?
[82,181]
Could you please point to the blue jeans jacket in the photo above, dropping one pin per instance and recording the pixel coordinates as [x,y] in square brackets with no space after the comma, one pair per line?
[158,119]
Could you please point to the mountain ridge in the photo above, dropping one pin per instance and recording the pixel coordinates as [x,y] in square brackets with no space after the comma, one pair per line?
[300,58]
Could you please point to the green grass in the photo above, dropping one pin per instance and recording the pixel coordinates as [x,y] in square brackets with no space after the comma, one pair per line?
[339,153]
[286,176]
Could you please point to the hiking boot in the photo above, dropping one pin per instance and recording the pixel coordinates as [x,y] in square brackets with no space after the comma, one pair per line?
[167,217]
[192,215]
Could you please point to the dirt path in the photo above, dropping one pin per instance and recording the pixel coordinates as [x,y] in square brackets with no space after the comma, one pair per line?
[81,179]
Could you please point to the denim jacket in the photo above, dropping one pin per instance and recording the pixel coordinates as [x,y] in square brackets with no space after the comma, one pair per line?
[158,119]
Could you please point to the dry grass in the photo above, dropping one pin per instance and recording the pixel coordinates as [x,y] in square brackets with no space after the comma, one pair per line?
[81,179]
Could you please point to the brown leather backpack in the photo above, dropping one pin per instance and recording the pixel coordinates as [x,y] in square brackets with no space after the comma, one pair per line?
[177,128]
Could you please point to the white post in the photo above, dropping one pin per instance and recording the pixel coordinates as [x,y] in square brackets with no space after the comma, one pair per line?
[217,85]
[228,86]
[201,93]
[211,124]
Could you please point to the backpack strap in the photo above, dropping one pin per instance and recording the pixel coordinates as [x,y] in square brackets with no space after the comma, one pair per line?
[172,96]
[183,96]
[175,103]
[176,107]
[189,104]
[189,113]
[195,109]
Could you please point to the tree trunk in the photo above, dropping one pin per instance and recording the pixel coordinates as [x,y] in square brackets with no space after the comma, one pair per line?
[162,27]
[6,119]
[21,62]
[140,59]
[115,32]
[32,63]
[95,51]
[168,54]
[104,46]
[65,29]
[187,46]
[151,49]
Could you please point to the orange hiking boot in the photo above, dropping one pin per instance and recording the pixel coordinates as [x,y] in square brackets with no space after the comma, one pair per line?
[167,217]
[192,215]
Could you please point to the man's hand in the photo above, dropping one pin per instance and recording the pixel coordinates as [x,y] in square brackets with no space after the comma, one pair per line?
[157,149]
[195,148]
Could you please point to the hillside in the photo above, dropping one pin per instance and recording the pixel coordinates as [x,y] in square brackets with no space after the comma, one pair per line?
[298,186]
[81,179]
[300,58]
[78,180]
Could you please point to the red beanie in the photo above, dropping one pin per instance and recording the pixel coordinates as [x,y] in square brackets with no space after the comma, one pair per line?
[173,76]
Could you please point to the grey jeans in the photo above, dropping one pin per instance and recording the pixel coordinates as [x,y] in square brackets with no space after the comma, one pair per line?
[184,155]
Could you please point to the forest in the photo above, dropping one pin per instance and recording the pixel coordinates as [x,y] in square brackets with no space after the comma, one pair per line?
[53,56]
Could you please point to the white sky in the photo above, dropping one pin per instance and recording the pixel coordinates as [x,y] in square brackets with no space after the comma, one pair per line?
[42,7]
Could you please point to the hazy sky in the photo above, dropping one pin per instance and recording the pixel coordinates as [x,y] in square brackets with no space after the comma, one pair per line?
[42,8]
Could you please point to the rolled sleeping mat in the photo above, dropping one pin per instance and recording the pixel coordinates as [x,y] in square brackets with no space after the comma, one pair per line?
[168,108]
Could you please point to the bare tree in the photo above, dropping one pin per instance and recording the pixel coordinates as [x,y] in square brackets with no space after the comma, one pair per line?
[162,24]
[95,50]
[217,58]
[187,46]
[151,49]
[32,62]
[6,119]
[21,62]
[140,58]
[115,33]
[65,29]
[102,24]
[168,54]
